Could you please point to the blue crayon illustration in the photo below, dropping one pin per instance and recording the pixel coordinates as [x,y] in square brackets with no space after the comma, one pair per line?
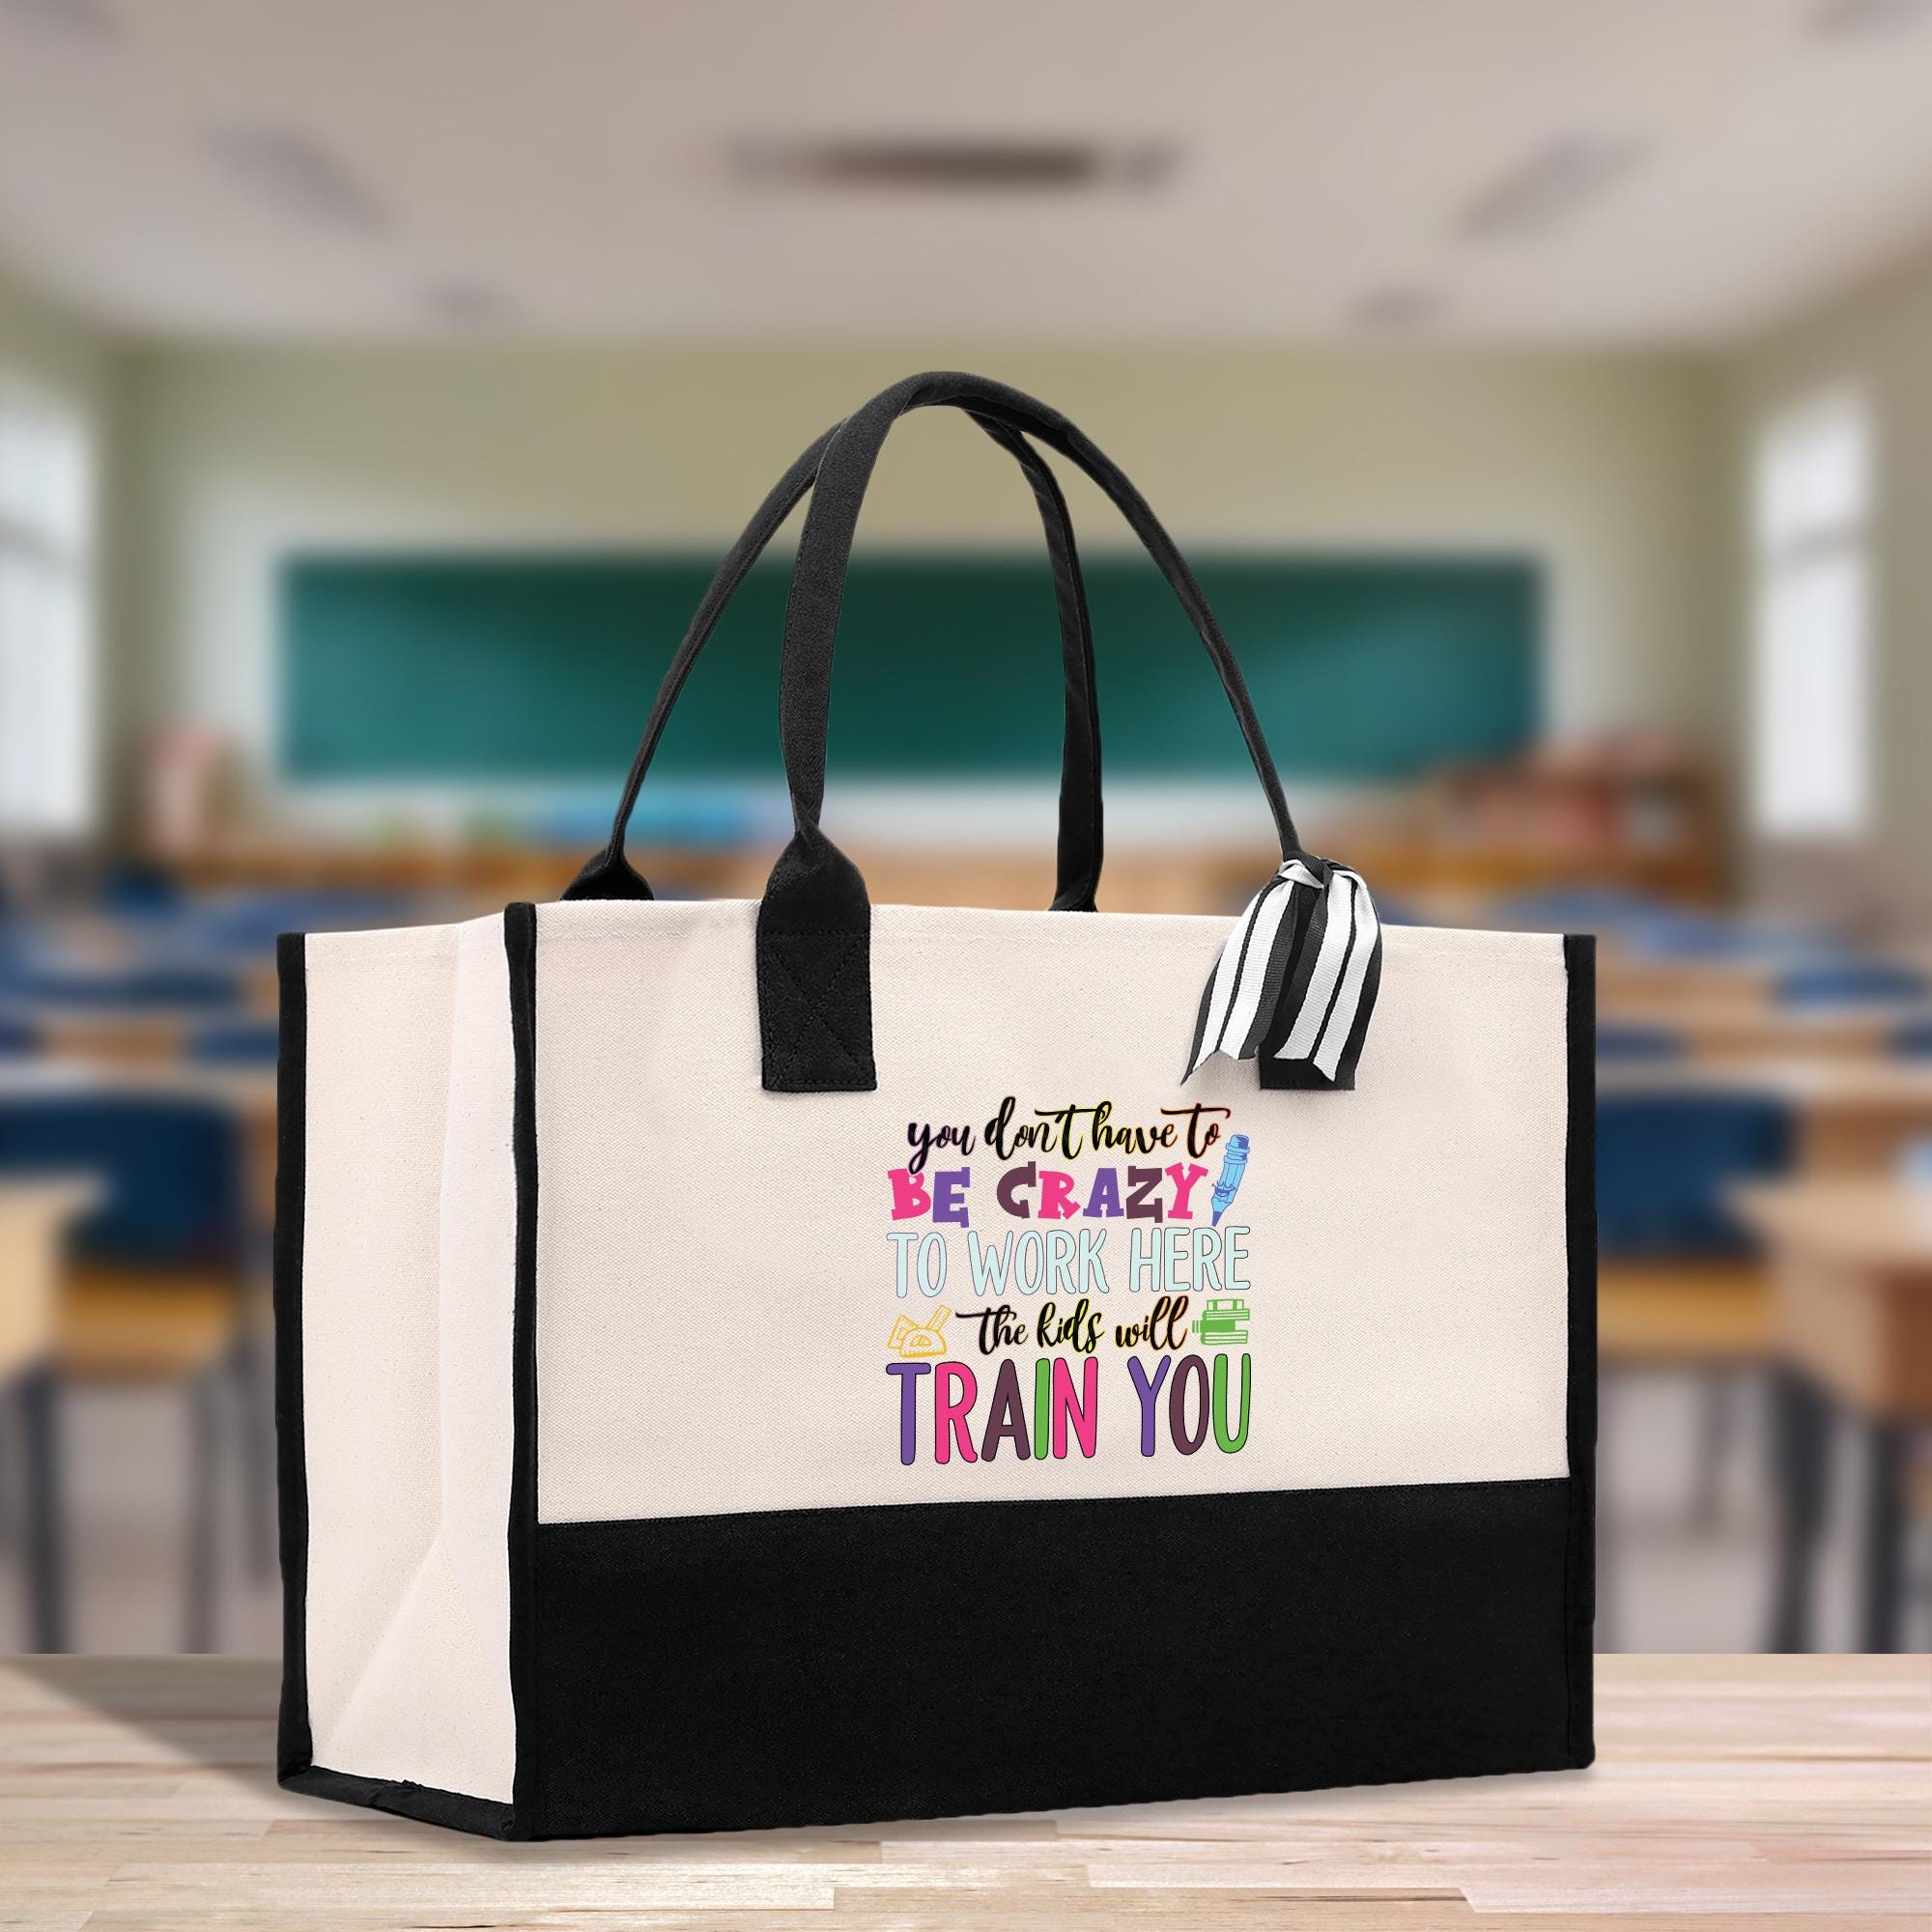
[1233,1167]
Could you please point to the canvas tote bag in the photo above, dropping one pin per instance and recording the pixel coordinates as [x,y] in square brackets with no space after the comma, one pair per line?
[807,1361]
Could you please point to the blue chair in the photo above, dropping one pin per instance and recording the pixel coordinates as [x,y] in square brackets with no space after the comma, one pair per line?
[143,987]
[1719,937]
[154,1293]
[169,1169]
[1667,1163]
[236,1042]
[1394,911]
[1680,1285]
[253,921]
[138,892]
[1624,1040]
[1580,909]
[1914,1041]
[1849,982]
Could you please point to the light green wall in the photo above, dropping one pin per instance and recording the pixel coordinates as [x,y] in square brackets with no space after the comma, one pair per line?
[1605,465]
[1626,471]
[1879,339]
[51,348]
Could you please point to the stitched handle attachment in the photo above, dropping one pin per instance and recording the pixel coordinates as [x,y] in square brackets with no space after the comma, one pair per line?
[610,876]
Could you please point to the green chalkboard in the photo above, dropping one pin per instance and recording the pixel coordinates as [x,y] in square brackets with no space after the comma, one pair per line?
[465,668]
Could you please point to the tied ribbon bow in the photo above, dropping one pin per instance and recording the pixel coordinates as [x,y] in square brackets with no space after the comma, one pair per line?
[1296,981]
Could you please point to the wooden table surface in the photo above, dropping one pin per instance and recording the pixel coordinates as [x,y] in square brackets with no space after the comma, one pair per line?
[1852,1266]
[34,1214]
[1864,1221]
[1719,1027]
[1887,1086]
[137,1793]
[1851,1323]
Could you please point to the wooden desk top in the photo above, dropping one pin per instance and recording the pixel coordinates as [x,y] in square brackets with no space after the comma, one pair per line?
[1624,972]
[249,1090]
[136,1792]
[1716,1025]
[34,1215]
[1887,1086]
[1852,1272]
[1752,974]
[1871,1224]
[1683,1314]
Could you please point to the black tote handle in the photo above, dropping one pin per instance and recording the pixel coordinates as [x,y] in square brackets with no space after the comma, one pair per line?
[610,875]
[815,921]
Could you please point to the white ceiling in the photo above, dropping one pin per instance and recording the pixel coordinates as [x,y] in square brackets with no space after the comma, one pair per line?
[562,168]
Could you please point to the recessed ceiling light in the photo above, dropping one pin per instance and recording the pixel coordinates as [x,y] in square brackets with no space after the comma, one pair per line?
[954,164]
[1399,308]
[1548,186]
[298,176]
[1861,19]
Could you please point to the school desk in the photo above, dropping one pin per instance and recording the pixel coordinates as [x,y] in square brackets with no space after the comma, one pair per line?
[1728,1028]
[1634,972]
[35,1216]
[1852,1317]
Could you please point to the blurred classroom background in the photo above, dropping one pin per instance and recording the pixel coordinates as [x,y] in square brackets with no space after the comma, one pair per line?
[1545,394]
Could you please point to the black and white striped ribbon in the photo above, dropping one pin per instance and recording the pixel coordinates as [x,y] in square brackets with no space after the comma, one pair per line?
[1296,980]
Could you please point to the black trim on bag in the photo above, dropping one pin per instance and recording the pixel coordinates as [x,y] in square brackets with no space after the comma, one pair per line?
[294,1744]
[295,1768]
[803,1668]
[1579,1180]
[424,1802]
[520,942]
[752,1670]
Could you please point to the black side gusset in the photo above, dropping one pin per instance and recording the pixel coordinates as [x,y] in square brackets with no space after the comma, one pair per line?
[1579,959]
[519,940]
[293,1747]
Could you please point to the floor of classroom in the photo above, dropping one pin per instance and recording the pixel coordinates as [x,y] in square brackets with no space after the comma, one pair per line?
[1669,1583]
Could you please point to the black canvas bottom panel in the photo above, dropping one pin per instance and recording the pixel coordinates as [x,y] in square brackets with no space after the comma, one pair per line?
[816,1666]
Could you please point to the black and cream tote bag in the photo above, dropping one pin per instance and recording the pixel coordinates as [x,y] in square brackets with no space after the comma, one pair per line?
[782,1363]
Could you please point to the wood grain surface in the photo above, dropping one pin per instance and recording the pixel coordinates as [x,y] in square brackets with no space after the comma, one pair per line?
[137,1793]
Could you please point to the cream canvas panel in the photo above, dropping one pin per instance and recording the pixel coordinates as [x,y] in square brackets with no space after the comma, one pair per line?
[717,1287]
[407,1305]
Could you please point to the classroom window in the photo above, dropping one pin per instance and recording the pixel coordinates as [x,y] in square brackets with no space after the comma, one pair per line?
[47,616]
[1813,620]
